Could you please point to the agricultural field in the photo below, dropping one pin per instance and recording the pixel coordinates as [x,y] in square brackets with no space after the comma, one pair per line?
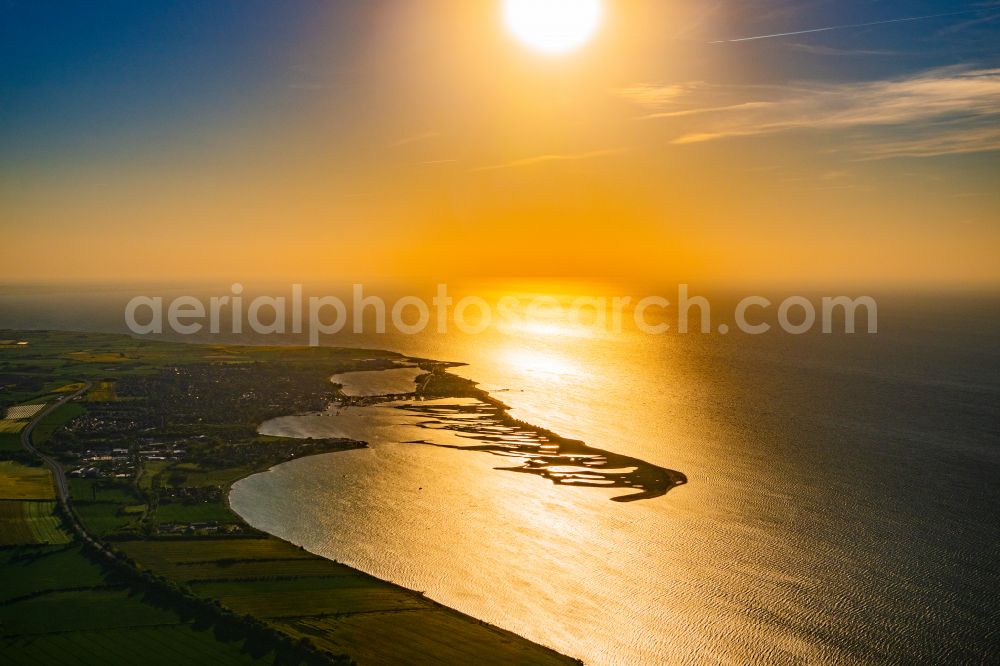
[196,477]
[103,391]
[55,420]
[164,645]
[98,490]
[177,512]
[104,519]
[409,637]
[313,596]
[30,522]
[69,388]
[217,570]
[9,442]
[79,610]
[21,482]
[338,608]
[162,555]
[18,412]
[93,356]
[57,606]
[12,426]
[150,471]
[25,571]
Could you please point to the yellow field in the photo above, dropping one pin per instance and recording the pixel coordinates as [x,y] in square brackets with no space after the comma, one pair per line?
[20,482]
[23,411]
[69,388]
[7,425]
[29,523]
[102,392]
[98,357]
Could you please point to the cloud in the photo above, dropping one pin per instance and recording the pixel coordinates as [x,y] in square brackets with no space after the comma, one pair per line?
[972,23]
[848,26]
[541,159]
[651,94]
[935,112]
[815,49]
[967,140]
[422,136]
[743,106]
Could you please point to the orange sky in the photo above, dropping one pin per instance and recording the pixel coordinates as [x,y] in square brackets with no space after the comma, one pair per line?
[432,144]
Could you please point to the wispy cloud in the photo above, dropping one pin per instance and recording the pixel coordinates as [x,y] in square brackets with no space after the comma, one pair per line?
[952,141]
[828,28]
[742,106]
[414,138]
[940,111]
[542,159]
[654,95]
[974,22]
[816,49]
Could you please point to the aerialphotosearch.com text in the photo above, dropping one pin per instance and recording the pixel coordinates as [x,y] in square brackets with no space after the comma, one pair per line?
[362,313]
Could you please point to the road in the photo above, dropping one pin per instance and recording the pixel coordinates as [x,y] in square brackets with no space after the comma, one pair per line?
[58,475]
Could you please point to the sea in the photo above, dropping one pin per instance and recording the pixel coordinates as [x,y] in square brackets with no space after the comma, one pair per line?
[840,504]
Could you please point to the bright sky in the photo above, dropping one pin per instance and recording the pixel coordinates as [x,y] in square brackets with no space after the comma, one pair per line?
[347,140]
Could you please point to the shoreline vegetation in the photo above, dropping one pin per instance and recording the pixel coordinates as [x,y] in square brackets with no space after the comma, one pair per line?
[146,561]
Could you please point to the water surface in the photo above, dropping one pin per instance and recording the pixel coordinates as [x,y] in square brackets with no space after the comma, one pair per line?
[841,504]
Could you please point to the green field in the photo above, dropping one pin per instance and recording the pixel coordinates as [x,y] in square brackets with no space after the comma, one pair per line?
[79,610]
[338,608]
[151,470]
[105,507]
[103,519]
[196,477]
[56,606]
[162,554]
[411,637]
[98,490]
[29,522]
[22,482]
[218,570]
[55,420]
[177,512]
[10,442]
[9,426]
[32,570]
[165,645]
[299,597]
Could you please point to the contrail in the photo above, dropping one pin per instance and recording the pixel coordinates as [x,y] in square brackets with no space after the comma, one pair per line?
[852,25]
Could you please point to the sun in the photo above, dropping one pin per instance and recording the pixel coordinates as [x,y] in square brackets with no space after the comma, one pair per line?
[552,26]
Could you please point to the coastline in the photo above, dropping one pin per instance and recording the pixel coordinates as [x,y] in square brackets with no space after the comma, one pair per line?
[436,386]
[196,554]
[457,614]
[506,634]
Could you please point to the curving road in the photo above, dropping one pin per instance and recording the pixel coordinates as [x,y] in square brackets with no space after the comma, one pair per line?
[58,475]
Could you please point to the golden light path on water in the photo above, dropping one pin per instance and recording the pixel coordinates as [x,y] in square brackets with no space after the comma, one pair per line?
[782,547]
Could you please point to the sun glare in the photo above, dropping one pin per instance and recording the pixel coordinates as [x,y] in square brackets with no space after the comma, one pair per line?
[552,26]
